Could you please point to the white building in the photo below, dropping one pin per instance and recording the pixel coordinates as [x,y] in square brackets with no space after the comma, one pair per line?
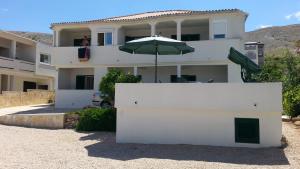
[211,33]
[24,64]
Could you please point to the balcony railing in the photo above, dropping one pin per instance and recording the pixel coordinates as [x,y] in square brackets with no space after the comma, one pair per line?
[207,50]
[18,65]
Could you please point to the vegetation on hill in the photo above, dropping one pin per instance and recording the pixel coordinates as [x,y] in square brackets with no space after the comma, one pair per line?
[41,37]
[275,37]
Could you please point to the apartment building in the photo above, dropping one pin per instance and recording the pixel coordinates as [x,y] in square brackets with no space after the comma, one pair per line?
[25,64]
[211,33]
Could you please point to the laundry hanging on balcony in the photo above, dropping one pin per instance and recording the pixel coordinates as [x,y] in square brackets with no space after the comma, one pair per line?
[84,54]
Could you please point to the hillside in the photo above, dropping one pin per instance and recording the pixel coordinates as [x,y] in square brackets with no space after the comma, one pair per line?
[276,37]
[272,37]
[37,36]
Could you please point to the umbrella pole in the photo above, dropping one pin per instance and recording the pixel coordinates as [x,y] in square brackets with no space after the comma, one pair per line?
[156,67]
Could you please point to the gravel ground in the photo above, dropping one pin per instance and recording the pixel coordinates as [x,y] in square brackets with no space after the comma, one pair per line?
[37,148]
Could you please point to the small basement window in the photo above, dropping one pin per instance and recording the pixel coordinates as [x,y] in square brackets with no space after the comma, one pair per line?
[246,130]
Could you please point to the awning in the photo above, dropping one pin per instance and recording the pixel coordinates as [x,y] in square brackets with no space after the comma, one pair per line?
[246,63]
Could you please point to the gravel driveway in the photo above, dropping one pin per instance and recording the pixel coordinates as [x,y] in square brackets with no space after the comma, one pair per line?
[38,148]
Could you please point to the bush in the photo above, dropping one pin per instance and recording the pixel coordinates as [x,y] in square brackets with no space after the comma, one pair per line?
[284,66]
[291,102]
[96,119]
[107,85]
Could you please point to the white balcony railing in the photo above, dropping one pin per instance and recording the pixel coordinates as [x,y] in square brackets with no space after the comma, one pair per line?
[208,50]
[18,65]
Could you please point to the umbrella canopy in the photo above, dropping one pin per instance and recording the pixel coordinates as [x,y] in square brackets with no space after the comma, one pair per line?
[246,63]
[156,45]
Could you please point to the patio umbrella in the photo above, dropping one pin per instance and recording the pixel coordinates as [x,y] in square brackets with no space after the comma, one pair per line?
[156,45]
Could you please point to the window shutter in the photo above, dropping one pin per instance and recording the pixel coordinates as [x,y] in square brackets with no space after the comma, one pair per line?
[219,28]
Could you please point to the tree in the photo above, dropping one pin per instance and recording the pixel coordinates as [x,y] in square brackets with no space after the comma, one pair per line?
[107,85]
[284,66]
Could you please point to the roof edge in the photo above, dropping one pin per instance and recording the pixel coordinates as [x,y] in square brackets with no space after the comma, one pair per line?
[188,12]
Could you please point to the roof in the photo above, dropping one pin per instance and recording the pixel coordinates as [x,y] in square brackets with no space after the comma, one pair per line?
[22,36]
[154,14]
[10,34]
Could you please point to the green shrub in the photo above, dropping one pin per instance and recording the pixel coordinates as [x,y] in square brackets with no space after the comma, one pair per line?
[96,119]
[107,85]
[291,102]
[284,66]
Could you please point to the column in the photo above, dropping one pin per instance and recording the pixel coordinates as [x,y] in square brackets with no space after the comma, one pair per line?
[94,37]
[13,48]
[99,72]
[51,84]
[178,71]
[116,35]
[56,79]
[57,38]
[135,70]
[8,88]
[153,28]
[178,23]
[0,84]
[234,73]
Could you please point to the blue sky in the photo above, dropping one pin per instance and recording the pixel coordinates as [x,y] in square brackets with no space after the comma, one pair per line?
[36,15]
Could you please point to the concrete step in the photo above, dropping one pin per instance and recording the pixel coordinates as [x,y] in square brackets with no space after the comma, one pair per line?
[48,121]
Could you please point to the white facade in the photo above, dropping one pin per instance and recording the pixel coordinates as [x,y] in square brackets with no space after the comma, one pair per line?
[197,113]
[20,64]
[210,33]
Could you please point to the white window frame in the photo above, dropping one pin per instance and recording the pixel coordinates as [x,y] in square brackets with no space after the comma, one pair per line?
[48,58]
[112,37]
[226,28]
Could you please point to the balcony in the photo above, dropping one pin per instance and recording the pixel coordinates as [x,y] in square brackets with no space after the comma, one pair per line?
[206,50]
[17,65]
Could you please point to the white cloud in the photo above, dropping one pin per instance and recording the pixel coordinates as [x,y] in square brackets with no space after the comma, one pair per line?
[295,15]
[3,9]
[263,26]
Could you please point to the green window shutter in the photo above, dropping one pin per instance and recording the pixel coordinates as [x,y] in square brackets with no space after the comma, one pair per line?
[247,130]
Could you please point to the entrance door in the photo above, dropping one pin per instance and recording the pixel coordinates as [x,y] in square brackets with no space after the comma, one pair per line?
[28,85]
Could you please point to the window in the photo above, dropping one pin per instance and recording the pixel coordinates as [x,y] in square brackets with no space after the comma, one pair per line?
[28,85]
[184,78]
[105,39]
[85,82]
[188,37]
[219,29]
[219,36]
[246,130]
[45,58]
[43,87]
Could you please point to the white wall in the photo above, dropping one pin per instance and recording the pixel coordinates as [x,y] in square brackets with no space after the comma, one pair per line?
[73,98]
[200,114]
[41,68]
[205,51]
[18,82]
[26,52]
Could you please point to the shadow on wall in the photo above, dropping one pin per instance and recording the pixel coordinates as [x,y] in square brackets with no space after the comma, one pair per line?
[107,148]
